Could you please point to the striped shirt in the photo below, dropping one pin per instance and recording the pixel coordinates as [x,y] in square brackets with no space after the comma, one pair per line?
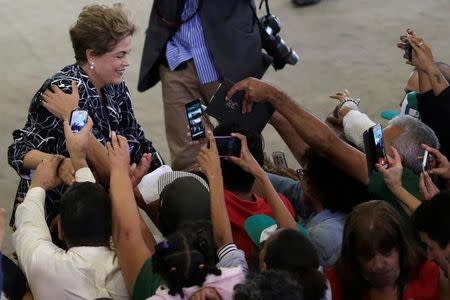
[189,43]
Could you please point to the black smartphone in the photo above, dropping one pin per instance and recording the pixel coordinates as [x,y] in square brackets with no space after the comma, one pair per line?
[78,119]
[228,146]
[194,113]
[374,147]
[408,51]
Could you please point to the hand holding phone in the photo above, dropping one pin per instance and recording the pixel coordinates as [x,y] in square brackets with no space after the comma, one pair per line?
[78,119]
[374,148]
[194,114]
[228,146]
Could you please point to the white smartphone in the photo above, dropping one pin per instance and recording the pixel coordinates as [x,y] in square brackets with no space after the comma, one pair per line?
[78,119]
[425,161]
[279,159]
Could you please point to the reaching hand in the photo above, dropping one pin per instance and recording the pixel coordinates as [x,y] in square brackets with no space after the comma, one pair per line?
[119,153]
[77,143]
[255,91]
[246,161]
[46,175]
[66,171]
[208,158]
[140,170]
[427,187]
[59,103]
[442,167]
[392,175]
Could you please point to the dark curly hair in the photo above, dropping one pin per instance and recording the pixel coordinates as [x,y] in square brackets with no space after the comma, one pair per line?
[186,258]
[283,253]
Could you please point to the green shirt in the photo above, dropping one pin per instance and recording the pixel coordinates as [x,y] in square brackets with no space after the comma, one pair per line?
[378,187]
[147,282]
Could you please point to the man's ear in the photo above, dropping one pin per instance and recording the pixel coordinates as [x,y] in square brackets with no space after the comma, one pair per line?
[60,228]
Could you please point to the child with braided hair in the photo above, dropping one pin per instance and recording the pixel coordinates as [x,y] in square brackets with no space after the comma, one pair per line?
[199,258]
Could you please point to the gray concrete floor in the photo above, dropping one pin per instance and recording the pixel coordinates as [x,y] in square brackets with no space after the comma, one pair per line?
[342,44]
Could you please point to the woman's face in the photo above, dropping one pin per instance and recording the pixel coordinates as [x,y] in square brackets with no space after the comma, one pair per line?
[110,67]
[381,270]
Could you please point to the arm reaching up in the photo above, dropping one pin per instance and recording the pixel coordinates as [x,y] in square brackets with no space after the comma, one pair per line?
[132,250]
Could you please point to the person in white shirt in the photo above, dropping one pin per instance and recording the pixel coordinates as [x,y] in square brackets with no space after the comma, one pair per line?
[89,269]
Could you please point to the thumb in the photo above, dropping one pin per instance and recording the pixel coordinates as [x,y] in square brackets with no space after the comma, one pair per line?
[75,88]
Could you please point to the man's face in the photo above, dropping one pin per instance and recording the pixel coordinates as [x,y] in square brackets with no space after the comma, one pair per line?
[436,253]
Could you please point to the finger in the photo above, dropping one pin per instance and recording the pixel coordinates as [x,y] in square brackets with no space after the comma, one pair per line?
[249,105]
[243,139]
[47,93]
[74,88]
[212,141]
[109,147]
[402,45]
[67,130]
[114,140]
[397,158]
[382,170]
[434,152]
[240,86]
[235,160]
[123,142]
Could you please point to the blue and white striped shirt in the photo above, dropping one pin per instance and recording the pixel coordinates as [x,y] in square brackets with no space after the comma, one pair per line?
[189,42]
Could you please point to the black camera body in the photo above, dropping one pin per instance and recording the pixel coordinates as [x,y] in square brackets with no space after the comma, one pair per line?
[275,46]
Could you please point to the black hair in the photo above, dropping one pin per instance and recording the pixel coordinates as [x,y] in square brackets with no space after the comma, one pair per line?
[433,218]
[234,178]
[335,190]
[291,251]
[85,211]
[272,284]
[185,258]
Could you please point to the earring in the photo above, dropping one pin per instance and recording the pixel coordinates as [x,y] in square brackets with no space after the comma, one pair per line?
[92,65]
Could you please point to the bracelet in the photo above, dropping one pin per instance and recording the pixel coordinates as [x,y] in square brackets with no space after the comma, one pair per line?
[350,102]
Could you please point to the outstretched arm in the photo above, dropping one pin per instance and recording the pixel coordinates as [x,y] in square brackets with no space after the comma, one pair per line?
[209,161]
[248,163]
[132,249]
[313,131]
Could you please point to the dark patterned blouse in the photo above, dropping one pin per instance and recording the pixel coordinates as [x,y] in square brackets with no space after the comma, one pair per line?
[45,132]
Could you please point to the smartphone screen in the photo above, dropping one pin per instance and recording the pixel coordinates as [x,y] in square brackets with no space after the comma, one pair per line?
[279,159]
[194,114]
[380,154]
[374,147]
[228,146]
[78,119]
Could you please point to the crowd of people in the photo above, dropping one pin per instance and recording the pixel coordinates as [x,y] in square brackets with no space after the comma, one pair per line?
[230,226]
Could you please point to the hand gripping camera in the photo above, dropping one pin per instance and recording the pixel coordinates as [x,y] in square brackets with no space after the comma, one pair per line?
[274,45]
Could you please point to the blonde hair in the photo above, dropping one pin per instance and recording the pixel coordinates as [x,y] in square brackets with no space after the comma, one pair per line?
[100,28]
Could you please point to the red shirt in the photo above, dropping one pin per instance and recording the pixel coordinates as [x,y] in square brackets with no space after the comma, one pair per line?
[239,210]
[424,286]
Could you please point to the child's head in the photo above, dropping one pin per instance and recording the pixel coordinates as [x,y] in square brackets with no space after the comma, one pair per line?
[186,257]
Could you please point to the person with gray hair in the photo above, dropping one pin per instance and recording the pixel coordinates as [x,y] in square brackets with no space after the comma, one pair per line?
[408,143]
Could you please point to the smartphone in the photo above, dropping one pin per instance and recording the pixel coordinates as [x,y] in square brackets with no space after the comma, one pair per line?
[279,159]
[374,147]
[78,118]
[408,52]
[228,146]
[425,161]
[194,113]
